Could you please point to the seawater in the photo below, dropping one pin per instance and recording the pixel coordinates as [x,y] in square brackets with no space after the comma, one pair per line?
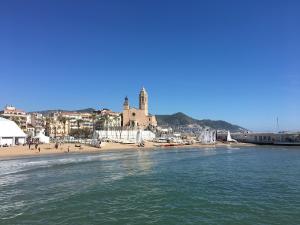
[249,185]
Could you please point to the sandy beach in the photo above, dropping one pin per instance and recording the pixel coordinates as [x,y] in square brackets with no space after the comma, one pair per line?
[49,149]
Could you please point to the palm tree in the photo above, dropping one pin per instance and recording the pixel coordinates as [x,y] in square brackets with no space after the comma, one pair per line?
[93,121]
[49,122]
[63,120]
[79,121]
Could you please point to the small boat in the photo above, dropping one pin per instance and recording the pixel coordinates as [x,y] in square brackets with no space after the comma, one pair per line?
[171,145]
[127,142]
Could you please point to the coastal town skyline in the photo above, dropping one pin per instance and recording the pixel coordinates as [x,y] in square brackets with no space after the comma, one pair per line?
[234,62]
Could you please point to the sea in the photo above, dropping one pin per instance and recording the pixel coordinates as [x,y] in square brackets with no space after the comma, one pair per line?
[223,185]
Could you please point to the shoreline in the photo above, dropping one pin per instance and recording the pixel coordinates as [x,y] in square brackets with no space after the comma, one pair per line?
[49,149]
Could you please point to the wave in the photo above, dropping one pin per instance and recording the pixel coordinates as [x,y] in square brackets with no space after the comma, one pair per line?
[21,165]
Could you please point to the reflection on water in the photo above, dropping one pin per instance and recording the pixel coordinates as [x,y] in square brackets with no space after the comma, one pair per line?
[144,161]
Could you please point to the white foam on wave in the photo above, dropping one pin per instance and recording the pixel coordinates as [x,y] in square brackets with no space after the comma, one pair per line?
[21,165]
[12,216]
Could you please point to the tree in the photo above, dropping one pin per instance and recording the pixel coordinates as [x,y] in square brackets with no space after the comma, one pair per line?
[75,133]
[49,123]
[79,121]
[63,120]
[100,123]
[86,132]
[81,133]
[93,121]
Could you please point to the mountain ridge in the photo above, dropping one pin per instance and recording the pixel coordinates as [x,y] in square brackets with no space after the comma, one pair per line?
[180,119]
[49,111]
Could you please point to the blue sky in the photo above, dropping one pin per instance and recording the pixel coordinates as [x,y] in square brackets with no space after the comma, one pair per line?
[237,61]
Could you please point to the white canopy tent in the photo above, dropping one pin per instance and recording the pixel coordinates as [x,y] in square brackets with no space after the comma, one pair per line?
[42,138]
[10,133]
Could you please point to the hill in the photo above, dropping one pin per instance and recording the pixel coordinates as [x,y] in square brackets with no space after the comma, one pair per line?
[185,122]
[47,112]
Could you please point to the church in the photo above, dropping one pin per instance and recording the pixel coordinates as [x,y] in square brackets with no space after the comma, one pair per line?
[133,117]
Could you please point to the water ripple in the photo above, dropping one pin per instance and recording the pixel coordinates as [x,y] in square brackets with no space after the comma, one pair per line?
[182,186]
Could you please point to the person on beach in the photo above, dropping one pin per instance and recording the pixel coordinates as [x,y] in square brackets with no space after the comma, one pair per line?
[36,146]
[56,145]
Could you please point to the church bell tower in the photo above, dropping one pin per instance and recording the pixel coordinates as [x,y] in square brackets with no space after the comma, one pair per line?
[143,101]
[126,104]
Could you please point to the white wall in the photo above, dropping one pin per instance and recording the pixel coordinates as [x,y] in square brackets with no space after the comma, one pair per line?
[21,140]
[11,141]
[8,141]
[124,134]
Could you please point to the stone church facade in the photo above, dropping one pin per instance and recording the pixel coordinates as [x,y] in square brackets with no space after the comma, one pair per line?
[133,117]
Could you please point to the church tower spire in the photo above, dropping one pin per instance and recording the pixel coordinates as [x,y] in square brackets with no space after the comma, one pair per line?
[143,101]
[126,104]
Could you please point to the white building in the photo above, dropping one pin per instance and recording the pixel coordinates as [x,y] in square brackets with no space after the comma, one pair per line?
[106,119]
[10,133]
[37,121]
[42,138]
[16,115]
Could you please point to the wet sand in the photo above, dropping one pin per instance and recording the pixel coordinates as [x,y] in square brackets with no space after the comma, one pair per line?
[49,149]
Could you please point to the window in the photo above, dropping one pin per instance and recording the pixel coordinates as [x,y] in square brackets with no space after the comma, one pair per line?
[133,114]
